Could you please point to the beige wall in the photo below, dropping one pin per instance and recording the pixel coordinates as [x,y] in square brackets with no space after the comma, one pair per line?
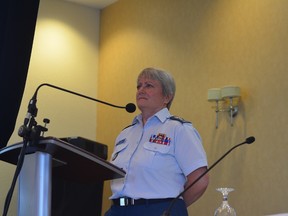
[204,44]
[65,53]
[207,44]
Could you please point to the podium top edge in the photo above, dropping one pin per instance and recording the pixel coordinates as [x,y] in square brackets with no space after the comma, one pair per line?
[58,148]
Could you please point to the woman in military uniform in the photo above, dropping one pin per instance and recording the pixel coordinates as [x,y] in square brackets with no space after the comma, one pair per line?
[160,153]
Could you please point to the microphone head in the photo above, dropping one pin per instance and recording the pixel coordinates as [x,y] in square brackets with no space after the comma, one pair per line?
[250,140]
[130,107]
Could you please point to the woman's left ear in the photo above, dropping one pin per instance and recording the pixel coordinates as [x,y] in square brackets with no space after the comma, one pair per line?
[168,98]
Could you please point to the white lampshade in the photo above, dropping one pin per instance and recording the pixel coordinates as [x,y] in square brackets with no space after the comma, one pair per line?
[214,94]
[230,91]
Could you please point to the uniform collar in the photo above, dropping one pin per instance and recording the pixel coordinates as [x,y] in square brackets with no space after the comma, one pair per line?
[162,115]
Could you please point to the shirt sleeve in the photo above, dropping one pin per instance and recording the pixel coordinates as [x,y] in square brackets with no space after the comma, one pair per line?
[189,151]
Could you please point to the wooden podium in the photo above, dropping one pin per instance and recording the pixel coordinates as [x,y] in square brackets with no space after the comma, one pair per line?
[65,160]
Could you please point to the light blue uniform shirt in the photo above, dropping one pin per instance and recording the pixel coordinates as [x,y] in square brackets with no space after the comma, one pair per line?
[156,157]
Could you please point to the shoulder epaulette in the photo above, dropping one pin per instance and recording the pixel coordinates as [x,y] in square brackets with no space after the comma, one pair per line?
[176,118]
[129,126]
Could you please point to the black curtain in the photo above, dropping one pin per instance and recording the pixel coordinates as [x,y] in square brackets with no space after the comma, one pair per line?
[17,26]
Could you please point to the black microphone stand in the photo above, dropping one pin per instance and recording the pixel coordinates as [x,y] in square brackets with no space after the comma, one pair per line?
[249,140]
[31,132]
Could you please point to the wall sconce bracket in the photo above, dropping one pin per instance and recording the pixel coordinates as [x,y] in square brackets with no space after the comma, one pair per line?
[227,100]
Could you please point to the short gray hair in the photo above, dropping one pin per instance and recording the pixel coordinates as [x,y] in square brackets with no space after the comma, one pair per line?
[165,78]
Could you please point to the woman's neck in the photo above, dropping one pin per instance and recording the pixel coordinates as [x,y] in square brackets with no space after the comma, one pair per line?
[147,114]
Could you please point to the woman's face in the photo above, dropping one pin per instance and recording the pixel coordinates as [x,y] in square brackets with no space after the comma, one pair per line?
[149,96]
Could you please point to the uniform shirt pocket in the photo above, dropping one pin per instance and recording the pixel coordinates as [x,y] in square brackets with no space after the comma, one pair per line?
[162,149]
[157,155]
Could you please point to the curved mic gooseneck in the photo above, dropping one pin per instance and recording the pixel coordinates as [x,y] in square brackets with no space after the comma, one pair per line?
[248,140]
[130,107]
[29,121]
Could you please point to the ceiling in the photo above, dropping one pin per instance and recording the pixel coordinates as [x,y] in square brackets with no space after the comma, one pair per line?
[93,3]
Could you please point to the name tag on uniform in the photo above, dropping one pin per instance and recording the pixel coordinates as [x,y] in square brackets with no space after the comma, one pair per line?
[115,156]
[121,142]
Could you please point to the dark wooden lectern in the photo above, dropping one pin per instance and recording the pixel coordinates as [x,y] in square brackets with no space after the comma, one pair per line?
[65,160]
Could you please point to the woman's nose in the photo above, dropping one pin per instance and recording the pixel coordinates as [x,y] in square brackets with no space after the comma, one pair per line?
[140,90]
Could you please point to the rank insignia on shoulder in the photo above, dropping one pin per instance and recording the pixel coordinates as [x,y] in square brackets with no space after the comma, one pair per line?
[129,126]
[176,118]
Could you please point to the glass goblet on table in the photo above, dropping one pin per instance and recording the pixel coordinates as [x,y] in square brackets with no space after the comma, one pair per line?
[225,209]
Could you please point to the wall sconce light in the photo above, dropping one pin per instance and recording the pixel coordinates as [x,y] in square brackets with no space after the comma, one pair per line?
[227,99]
